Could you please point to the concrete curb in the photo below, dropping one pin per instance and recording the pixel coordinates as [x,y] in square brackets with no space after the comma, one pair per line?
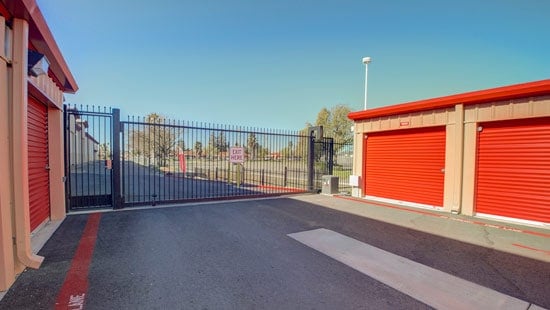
[515,239]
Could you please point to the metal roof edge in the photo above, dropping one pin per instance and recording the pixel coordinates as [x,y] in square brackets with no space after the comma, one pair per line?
[529,89]
[42,38]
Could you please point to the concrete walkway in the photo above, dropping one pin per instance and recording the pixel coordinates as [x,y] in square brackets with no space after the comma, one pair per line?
[511,238]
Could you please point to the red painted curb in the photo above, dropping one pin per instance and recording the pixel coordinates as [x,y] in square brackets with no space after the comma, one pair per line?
[73,292]
[531,248]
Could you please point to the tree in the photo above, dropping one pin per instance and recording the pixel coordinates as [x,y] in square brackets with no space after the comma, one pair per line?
[341,124]
[211,146]
[336,123]
[252,145]
[217,144]
[323,118]
[181,144]
[104,151]
[221,143]
[288,151]
[263,152]
[302,148]
[155,140]
[198,149]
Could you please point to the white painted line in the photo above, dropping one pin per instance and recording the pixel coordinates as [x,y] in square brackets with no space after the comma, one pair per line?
[428,285]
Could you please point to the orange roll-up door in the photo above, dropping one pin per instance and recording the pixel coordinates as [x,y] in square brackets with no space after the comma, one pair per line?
[406,165]
[513,169]
[39,176]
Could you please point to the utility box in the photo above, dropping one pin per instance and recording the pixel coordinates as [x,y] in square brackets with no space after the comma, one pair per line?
[354,180]
[330,184]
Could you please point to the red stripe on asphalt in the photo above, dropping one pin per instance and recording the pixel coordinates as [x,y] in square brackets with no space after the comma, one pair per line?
[530,248]
[530,232]
[73,292]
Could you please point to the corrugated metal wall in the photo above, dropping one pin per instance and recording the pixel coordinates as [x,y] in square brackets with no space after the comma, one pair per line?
[39,188]
[406,165]
[513,169]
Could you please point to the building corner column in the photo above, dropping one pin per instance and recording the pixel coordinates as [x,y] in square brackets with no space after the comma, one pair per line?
[7,263]
[358,190]
[469,166]
[459,159]
[19,143]
[57,164]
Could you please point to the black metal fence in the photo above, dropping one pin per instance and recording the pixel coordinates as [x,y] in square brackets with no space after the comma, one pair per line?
[150,160]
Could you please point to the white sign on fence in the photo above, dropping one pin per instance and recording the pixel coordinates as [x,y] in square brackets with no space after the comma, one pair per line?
[236,155]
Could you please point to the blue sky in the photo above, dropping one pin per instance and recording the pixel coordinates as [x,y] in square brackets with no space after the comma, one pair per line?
[275,64]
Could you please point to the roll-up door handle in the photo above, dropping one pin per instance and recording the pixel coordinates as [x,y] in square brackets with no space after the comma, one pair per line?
[442,170]
[47,167]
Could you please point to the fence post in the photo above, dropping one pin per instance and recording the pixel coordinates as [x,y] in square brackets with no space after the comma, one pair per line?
[315,133]
[262,176]
[310,163]
[330,155]
[66,155]
[238,174]
[285,177]
[116,175]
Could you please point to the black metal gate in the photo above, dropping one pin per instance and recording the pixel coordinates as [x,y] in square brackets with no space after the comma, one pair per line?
[88,157]
[151,160]
[324,159]
[173,161]
[320,157]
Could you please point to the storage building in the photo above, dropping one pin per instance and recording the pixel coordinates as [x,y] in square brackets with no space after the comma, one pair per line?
[484,153]
[33,78]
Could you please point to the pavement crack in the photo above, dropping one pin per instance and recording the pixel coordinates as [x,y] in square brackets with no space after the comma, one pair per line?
[413,220]
[486,236]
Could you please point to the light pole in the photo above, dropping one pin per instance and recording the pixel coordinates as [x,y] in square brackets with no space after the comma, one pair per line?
[366,61]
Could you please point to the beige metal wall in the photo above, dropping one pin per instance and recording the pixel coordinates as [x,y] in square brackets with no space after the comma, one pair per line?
[15,85]
[460,150]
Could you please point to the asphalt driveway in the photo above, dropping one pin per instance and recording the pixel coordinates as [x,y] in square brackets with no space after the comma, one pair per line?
[238,255]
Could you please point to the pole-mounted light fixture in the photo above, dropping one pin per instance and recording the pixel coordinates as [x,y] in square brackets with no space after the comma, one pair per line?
[366,61]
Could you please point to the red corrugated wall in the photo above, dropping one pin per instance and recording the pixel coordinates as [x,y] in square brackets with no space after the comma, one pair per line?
[39,179]
[406,165]
[513,169]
